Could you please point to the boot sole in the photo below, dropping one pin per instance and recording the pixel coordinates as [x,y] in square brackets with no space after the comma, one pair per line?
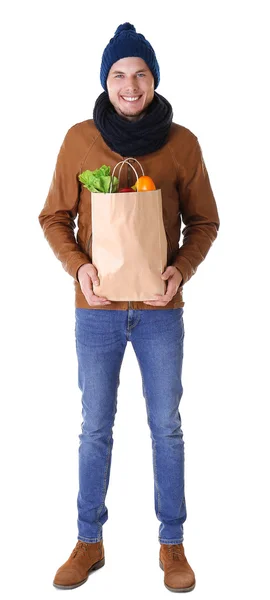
[188,589]
[94,567]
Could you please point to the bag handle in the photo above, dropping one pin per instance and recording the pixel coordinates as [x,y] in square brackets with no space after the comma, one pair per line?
[122,162]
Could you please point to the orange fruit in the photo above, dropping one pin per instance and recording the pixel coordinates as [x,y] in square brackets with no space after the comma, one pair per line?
[144,184]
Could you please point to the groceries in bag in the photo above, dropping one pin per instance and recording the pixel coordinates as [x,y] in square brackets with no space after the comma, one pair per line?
[129,244]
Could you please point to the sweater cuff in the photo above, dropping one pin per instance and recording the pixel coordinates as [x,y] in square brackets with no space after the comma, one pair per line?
[184,266]
[74,265]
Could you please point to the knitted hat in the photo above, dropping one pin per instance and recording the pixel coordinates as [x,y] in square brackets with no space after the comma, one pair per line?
[127,42]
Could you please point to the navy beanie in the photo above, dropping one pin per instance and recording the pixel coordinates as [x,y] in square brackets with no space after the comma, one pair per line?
[127,42]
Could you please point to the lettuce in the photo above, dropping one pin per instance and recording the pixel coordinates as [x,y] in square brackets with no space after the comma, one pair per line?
[99,180]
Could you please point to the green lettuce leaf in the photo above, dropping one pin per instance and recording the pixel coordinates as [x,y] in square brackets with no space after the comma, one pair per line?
[99,180]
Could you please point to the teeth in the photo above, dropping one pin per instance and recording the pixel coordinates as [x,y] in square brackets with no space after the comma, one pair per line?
[131,98]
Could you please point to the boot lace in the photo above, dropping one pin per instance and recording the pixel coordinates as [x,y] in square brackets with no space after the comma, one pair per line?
[176,551]
[80,549]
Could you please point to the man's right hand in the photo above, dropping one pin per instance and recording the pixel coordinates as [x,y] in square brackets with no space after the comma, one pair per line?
[87,275]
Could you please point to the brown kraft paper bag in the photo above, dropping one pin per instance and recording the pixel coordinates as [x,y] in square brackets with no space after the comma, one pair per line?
[129,244]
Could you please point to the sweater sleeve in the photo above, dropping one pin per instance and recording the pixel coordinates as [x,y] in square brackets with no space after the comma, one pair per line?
[57,217]
[199,214]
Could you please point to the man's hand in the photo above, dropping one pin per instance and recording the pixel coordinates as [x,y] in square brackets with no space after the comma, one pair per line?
[87,275]
[174,276]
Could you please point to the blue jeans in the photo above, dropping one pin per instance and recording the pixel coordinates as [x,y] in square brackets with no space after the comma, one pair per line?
[157,337]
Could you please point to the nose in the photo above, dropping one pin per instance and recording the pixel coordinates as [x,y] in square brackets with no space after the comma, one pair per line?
[131,83]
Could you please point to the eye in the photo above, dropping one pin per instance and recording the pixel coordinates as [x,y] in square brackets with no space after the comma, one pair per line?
[143,74]
[119,75]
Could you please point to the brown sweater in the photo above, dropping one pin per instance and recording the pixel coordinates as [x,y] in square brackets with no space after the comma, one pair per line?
[177,168]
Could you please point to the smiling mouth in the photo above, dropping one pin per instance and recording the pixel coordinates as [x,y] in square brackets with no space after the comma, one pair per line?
[131,99]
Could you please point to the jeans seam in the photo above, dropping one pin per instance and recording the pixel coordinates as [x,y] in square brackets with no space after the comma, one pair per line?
[104,483]
[106,466]
[155,469]
[154,456]
[175,541]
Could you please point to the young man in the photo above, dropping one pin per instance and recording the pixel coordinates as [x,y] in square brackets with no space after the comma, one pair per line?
[130,119]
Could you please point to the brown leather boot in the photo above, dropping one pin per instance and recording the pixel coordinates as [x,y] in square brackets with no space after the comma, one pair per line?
[84,558]
[178,574]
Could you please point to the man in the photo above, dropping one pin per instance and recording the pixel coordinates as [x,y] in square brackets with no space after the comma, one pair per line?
[130,119]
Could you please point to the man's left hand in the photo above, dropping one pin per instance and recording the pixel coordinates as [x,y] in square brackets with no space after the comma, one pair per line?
[174,279]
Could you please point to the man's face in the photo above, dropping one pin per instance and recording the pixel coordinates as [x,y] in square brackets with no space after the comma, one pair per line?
[130,78]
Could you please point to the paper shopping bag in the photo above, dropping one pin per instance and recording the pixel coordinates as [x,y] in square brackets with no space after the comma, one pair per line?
[129,244]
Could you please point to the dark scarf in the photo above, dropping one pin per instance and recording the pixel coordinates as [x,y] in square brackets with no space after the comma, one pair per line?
[133,138]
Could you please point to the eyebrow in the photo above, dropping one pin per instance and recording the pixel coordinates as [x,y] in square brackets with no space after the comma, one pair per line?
[122,72]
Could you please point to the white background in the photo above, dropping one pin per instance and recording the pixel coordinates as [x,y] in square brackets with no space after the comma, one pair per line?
[212,58]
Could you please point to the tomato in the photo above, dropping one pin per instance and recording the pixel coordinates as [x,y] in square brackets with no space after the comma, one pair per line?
[144,184]
[126,190]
